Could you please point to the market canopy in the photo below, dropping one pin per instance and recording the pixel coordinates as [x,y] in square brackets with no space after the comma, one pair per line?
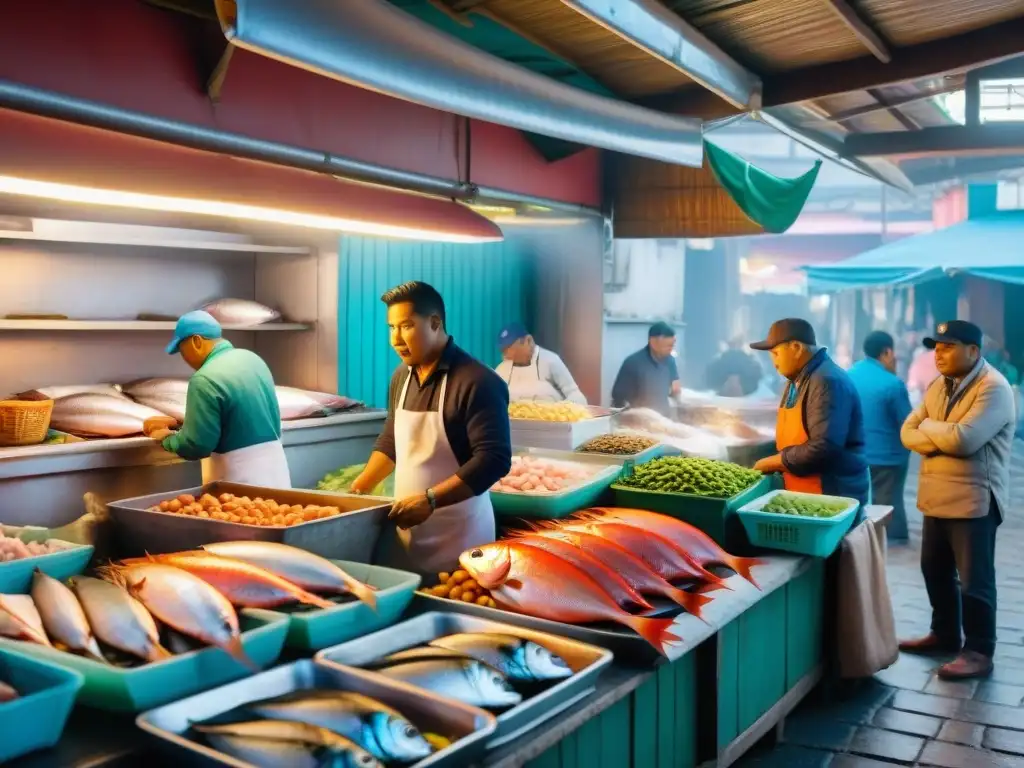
[990,248]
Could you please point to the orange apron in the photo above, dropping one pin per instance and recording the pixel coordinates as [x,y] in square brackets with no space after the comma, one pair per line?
[789,430]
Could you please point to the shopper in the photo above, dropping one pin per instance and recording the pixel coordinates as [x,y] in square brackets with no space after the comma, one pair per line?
[532,372]
[964,431]
[735,372]
[886,404]
[446,438]
[820,429]
[648,378]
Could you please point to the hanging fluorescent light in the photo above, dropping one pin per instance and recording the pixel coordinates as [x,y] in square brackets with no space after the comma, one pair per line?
[68,193]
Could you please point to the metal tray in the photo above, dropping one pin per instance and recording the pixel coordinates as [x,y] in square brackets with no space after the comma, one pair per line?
[351,535]
[468,727]
[586,662]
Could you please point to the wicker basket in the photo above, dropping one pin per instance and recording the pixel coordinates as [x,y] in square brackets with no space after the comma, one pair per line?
[24,422]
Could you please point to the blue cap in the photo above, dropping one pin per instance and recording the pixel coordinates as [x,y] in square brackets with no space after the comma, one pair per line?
[510,334]
[196,323]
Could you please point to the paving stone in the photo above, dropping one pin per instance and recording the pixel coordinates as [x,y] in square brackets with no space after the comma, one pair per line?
[860,706]
[856,761]
[817,729]
[1009,620]
[991,714]
[959,732]
[874,742]
[907,722]
[785,756]
[1007,673]
[909,673]
[1000,693]
[944,755]
[956,689]
[1005,740]
[926,704]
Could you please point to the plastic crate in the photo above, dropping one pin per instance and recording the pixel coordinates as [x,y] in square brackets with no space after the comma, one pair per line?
[715,516]
[16,575]
[36,719]
[558,504]
[812,536]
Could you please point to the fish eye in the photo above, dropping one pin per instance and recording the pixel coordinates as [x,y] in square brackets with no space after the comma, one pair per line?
[410,732]
[476,553]
[367,759]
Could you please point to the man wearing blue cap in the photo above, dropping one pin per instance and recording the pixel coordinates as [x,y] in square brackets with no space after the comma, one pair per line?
[231,410]
[532,372]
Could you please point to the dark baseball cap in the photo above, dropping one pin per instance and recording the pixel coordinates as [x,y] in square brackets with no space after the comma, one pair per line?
[955,332]
[510,334]
[783,331]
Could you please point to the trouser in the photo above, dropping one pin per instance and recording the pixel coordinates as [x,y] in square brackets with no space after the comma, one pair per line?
[887,488]
[964,548]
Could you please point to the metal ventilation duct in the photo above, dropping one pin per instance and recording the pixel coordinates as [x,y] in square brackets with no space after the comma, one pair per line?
[373,45]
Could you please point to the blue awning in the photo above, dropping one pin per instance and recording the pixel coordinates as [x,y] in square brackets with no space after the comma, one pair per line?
[992,248]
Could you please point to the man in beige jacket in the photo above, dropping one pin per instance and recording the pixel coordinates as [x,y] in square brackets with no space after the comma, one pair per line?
[963,429]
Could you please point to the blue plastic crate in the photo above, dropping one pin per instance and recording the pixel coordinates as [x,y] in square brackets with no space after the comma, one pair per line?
[812,536]
[37,718]
[16,575]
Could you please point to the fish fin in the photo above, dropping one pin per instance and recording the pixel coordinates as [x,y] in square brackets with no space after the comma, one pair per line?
[545,525]
[310,599]
[364,592]
[513,584]
[28,632]
[237,652]
[159,653]
[654,631]
[691,601]
[743,566]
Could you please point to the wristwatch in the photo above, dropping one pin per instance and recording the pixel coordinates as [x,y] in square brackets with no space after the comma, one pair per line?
[431,499]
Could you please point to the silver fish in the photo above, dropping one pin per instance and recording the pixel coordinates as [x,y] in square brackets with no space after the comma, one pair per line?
[118,619]
[62,615]
[20,620]
[100,416]
[327,400]
[302,568]
[296,404]
[466,680]
[373,725]
[69,390]
[156,388]
[241,312]
[167,405]
[7,692]
[287,744]
[514,657]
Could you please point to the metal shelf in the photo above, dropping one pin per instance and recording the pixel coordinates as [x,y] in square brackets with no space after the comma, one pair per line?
[132,325]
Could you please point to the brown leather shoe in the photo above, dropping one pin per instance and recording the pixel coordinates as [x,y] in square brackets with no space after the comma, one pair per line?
[929,645]
[967,665]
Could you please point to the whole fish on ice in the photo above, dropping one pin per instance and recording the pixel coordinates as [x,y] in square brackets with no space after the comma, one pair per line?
[63,618]
[514,657]
[463,679]
[241,312]
[118,619]
[20,619]
[100,416]
[287,744]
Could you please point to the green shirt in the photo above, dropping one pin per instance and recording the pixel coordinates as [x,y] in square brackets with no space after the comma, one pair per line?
[231,404]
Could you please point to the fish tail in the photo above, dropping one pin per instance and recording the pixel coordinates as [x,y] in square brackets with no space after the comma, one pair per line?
[310,599]
[743,566]
[654,631]
[234,649]
[693,602]
[364,592]
[158,653]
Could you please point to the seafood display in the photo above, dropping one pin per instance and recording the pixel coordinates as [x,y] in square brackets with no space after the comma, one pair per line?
[12,548]
[531,474]
[241,509]
[340,481]
[92,415]
[162,394]
[537,411]
[304,404]
[67,390]
[284,743]
[693,476]
[240,312]
[618,445]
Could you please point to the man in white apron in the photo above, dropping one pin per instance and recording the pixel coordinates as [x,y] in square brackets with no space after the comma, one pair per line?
[446,438]
[231,410]
[532,372]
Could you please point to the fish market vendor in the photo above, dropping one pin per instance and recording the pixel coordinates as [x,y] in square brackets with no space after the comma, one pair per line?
[231,411]
[532,372]
[648,378]
[819,432]
[446,438]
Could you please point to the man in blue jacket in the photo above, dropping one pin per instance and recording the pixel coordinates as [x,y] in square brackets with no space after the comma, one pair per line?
[886,405]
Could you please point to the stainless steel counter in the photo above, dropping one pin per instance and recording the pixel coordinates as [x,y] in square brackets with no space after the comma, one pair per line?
[43,485]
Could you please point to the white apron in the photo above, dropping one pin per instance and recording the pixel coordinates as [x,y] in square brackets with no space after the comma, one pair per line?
[424,458]
[264,465]
[526,383]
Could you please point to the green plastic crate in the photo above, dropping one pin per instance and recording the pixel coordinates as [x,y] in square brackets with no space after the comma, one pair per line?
[37,718]
[716,517]
[140,688]
[811,536]
[319,629]
[552,506]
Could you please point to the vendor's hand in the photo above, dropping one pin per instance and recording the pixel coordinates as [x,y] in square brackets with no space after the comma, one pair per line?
[411,511]
[160,434]
[770,464]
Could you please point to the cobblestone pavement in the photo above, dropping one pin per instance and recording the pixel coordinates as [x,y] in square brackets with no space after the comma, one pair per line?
[907,716]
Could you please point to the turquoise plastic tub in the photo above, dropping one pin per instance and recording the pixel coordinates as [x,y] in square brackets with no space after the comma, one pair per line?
[557,505]
[135,690]
[812,536]
[316,629]
[36,720]
[16,576]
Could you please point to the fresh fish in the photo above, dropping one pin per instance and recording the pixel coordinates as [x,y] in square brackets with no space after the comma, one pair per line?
[118,619]
[297,404]
[185,603]
[463,679]
[631,568]
[660,554]
[7,692]
[327,400]
[531,581]
[68,390]
[697,544]
[63,617]
[157,388]
[241,312]
[287,745]
[244,584]
[167,405]
[92,415]
[20,620]
[514,657]
[376,727]
[302,568]
[611,582]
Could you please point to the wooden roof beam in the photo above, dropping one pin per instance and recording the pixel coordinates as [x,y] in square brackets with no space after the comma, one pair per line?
[861,29]
[931,142]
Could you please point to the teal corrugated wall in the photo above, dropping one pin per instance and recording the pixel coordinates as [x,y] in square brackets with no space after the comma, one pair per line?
[484,286]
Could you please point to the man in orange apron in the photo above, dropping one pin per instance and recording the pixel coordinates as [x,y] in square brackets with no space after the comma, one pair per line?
[820,428]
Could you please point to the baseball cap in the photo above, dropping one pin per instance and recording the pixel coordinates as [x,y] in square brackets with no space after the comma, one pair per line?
[196,323]
[783,331]
[510,334]
[955,332]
